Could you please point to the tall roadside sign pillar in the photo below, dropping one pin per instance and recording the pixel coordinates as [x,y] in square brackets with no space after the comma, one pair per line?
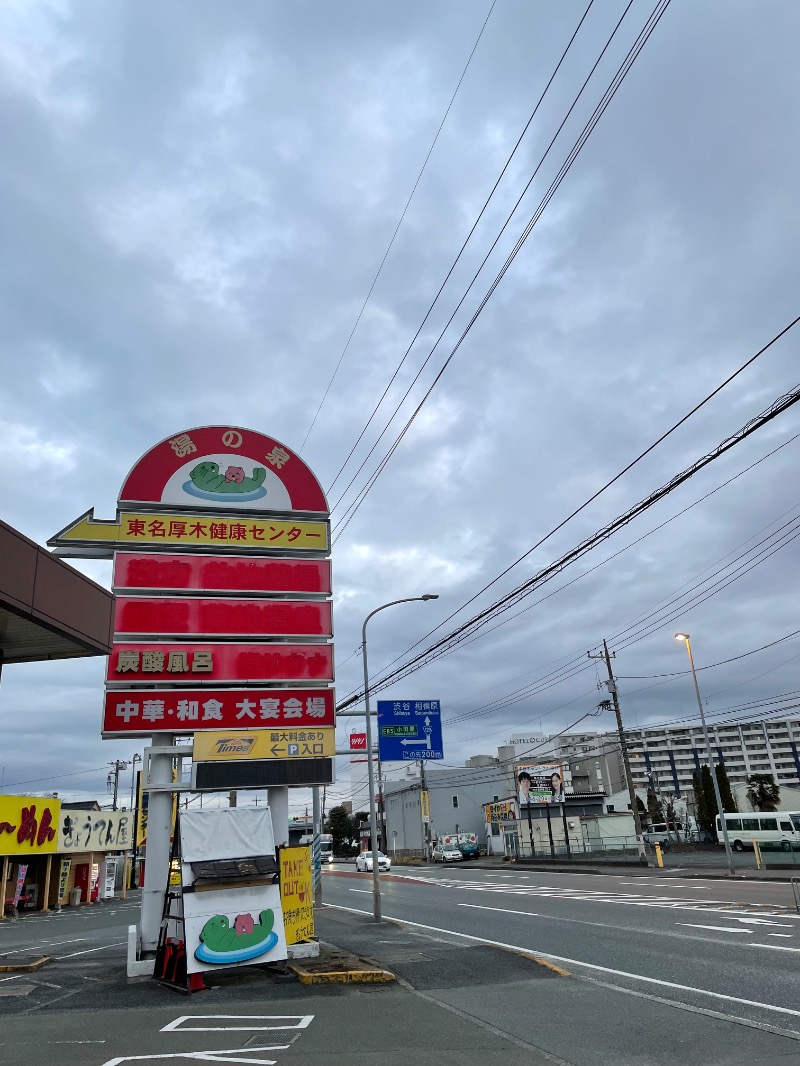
[222,625]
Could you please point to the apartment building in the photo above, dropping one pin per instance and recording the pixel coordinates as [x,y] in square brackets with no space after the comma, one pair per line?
[668,756]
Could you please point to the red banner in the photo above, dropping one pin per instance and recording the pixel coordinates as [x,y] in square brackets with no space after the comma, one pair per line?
[199,617]
[141,712]
[194,664]
[213,573]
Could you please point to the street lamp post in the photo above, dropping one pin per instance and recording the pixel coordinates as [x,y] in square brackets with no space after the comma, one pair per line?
[731,868]
[136,758]
[373,823]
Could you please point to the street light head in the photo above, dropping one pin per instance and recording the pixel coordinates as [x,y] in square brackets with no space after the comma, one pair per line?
[430,596]
[681,636]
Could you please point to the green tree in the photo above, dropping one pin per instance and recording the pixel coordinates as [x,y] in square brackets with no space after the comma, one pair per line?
[640,806]
[700,808]
[654,808]
[710,798]
[356,820]
[725,791]
[763,793]
[340,827]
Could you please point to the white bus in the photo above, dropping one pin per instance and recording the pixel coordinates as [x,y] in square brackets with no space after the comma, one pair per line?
[774,827]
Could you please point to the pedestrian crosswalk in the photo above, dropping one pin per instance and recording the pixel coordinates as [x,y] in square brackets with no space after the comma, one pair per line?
[628,899]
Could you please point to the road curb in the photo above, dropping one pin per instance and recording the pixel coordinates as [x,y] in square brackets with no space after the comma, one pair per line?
[21,966]
[323,974]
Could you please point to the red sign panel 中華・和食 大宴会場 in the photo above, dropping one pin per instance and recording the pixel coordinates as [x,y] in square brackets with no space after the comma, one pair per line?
[140,712]
[190,663]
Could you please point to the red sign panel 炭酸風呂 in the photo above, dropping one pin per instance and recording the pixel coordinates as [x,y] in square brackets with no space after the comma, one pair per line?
[200,617]
[211,573]
[221,468]
[140,712]
[185,663]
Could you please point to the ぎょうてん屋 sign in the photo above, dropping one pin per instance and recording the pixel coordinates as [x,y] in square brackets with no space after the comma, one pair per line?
[222,577]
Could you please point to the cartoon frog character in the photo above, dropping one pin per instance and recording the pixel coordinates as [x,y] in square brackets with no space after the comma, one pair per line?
[207,477]
[218,936]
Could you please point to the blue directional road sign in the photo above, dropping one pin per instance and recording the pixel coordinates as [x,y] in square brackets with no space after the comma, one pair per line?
[409,730]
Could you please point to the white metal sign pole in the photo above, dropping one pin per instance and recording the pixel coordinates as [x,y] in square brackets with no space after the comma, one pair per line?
[278,799]
[159,830]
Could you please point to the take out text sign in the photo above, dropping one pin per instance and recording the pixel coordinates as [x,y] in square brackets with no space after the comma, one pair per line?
[140,712]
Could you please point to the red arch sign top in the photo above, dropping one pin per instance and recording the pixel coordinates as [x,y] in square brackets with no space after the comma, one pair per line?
[216,467]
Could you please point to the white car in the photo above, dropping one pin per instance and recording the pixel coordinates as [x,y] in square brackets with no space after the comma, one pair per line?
[446,853]
[364,863]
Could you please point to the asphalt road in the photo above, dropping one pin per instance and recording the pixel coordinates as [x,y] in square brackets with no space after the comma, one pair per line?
[728,948]
[634,976]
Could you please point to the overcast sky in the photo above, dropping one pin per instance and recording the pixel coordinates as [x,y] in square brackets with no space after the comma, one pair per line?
[195,200]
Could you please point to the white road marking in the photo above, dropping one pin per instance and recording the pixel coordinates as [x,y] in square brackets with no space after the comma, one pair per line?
[591,965]
[788,935]
[208,1056]
[759,921]
[363,891]
[643,884]
[41,947]
[628,899]
[526,914]
[88,951]
[299,1021]
[773,947]
[717,928]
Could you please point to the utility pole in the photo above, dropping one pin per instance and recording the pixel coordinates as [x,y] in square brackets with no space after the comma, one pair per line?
[423,787]
[611,684]
[116,766]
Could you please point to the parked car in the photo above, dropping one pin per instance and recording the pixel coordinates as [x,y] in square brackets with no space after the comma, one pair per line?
[446,853]
[467,844]
[364,863]
[662,833]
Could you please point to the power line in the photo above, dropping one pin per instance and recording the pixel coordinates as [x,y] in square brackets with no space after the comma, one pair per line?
[455,263]
[397,228]
[434,650]
[527,691]
[577,147]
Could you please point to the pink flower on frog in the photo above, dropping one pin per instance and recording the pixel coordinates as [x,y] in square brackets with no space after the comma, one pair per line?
[235,473]
[244,924]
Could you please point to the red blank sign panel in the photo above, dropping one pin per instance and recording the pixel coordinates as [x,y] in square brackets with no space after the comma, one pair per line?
[195,616]
[213,573]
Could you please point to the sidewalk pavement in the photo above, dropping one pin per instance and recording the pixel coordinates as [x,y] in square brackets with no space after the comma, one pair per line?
[632,869]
